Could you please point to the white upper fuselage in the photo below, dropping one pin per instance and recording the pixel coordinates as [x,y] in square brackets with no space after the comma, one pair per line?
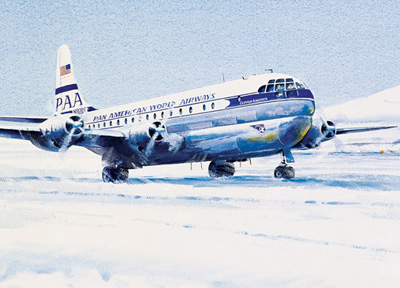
[192,102]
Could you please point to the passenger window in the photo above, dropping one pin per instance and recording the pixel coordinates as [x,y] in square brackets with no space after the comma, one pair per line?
[126,121]
[212,105]
[162,114]
[133,119]
[147,116]
[118,122]
[270,88]
[171,113]
[204,107]
[261,89]
[98,125]
[180,111]
[110,123]
[155,116]
[190,110]
[104,124]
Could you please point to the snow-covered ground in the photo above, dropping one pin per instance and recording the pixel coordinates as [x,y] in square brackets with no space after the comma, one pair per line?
[335,225]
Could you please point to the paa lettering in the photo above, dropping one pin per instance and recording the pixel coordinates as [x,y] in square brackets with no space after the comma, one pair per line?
[66,103]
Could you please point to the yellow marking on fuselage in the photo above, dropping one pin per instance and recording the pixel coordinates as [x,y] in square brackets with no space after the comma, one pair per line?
[302,133]
[312,110]
[268,138]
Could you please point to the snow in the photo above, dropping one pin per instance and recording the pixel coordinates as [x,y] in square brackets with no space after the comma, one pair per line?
[383,106]
[334,225]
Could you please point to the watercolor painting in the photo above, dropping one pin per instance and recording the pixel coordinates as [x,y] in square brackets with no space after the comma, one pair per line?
[199,144]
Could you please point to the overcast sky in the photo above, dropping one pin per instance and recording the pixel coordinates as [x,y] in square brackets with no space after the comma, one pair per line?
[126,51]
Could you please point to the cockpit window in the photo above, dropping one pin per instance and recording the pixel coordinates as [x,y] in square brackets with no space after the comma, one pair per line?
[290,86]
[279,87]
[270,88]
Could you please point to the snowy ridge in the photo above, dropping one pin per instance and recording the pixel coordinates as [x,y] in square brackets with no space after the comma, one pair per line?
[380,107]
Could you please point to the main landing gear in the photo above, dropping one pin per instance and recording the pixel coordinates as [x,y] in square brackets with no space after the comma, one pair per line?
[115,174]
[221,168]
[284,170]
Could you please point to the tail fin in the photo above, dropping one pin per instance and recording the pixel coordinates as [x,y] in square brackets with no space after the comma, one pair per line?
[68,98]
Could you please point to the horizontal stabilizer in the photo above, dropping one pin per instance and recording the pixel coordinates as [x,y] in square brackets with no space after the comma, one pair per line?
[362,129]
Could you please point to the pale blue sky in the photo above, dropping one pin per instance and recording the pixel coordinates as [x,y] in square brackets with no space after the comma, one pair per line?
[125,51]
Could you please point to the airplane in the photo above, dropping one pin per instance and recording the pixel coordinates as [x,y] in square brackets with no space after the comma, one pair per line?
[229,122]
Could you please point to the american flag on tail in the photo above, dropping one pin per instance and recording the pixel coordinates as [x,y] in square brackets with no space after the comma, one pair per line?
[65,70]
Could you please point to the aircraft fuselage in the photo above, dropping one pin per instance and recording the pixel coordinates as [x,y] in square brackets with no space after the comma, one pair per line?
[253,117]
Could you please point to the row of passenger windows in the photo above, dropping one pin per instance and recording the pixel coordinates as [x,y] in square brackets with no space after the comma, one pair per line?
[281,85]
[132,120]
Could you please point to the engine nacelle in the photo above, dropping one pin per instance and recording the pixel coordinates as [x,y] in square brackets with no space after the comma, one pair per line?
[142,135]
[58,133]
[320,131]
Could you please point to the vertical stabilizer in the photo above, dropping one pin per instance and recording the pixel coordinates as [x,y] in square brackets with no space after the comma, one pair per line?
[68,98]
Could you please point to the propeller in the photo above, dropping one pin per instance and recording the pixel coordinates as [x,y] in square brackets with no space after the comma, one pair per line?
[329,130]
[158,132]
[74,126]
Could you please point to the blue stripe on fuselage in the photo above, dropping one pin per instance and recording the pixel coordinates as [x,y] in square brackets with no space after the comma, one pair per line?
[241,100]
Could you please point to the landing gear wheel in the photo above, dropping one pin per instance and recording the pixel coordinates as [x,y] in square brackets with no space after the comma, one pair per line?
[289,173]
[286,172]
[221,168]
[279,172]
[115,174]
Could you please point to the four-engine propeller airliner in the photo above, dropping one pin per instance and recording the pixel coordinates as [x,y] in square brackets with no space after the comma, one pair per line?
[224,123]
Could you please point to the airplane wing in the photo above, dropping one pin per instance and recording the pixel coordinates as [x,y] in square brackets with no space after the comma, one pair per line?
[361,129]
[324,130]
[25,127]
[35,120]
[39,129]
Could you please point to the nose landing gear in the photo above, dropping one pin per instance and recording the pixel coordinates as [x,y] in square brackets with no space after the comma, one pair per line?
[284,170]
